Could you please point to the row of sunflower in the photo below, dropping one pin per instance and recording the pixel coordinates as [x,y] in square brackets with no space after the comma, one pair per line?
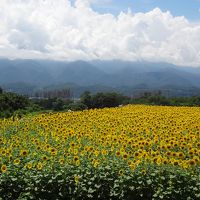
[131,152]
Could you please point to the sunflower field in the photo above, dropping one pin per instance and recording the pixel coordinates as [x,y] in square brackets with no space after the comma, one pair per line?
[131,152]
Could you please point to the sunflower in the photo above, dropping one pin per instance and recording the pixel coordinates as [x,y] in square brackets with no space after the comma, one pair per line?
[118,153]
[121,172]
[47,146]
[76,158]
[61,161]
[75,151]
[159,160]
[44,158]
[72,144]
[3,168]
[191,162]
[16,161]
[169,153]
[181,155]
[165,161]
[39,166]
[174,154]
[104,152]
[125,156]
[29,165]
[136,154]
[144,171]
[24,153]
[196,159]
[3,152]
[95,163]
[53,152]
[39,148]
[175,162]
[155,159]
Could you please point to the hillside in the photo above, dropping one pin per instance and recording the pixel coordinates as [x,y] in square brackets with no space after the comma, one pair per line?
[18,75]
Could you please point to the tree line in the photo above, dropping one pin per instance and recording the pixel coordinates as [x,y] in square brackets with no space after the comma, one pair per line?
[12,104]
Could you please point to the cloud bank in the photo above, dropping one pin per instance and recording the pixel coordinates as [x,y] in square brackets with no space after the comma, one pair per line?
[64,30]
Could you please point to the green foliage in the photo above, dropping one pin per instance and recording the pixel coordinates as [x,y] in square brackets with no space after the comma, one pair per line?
[10,102]
[113,99]
[13,104]
[102,100]
[158,100]
[76,106]
[58,105]
[55,104]
[86,98]
[5,114]
[148,99]
[144,183]
[45,104]
[195,101]
[33,108]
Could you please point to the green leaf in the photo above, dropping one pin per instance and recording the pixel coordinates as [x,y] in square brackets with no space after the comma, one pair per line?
[90,191]
[97,186]
[161,196]
[90,196]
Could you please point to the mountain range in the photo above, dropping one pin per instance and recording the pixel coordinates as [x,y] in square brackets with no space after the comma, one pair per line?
[26,76]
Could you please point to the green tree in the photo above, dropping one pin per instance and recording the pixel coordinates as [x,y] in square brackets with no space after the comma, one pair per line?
[58,105]
[10,102]
[86,99]
[158,100]
[76,106]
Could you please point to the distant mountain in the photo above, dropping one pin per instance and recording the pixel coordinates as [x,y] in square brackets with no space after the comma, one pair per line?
[28,71]
[82,73]
[30,75]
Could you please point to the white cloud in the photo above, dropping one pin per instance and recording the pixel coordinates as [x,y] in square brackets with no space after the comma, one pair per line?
[62,30]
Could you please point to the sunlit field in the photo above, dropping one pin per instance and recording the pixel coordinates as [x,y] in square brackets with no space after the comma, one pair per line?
[130,152]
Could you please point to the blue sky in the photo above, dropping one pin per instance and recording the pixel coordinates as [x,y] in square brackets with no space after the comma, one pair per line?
[188,8]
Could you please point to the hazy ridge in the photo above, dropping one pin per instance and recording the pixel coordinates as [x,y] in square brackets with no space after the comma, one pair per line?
[124,76]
